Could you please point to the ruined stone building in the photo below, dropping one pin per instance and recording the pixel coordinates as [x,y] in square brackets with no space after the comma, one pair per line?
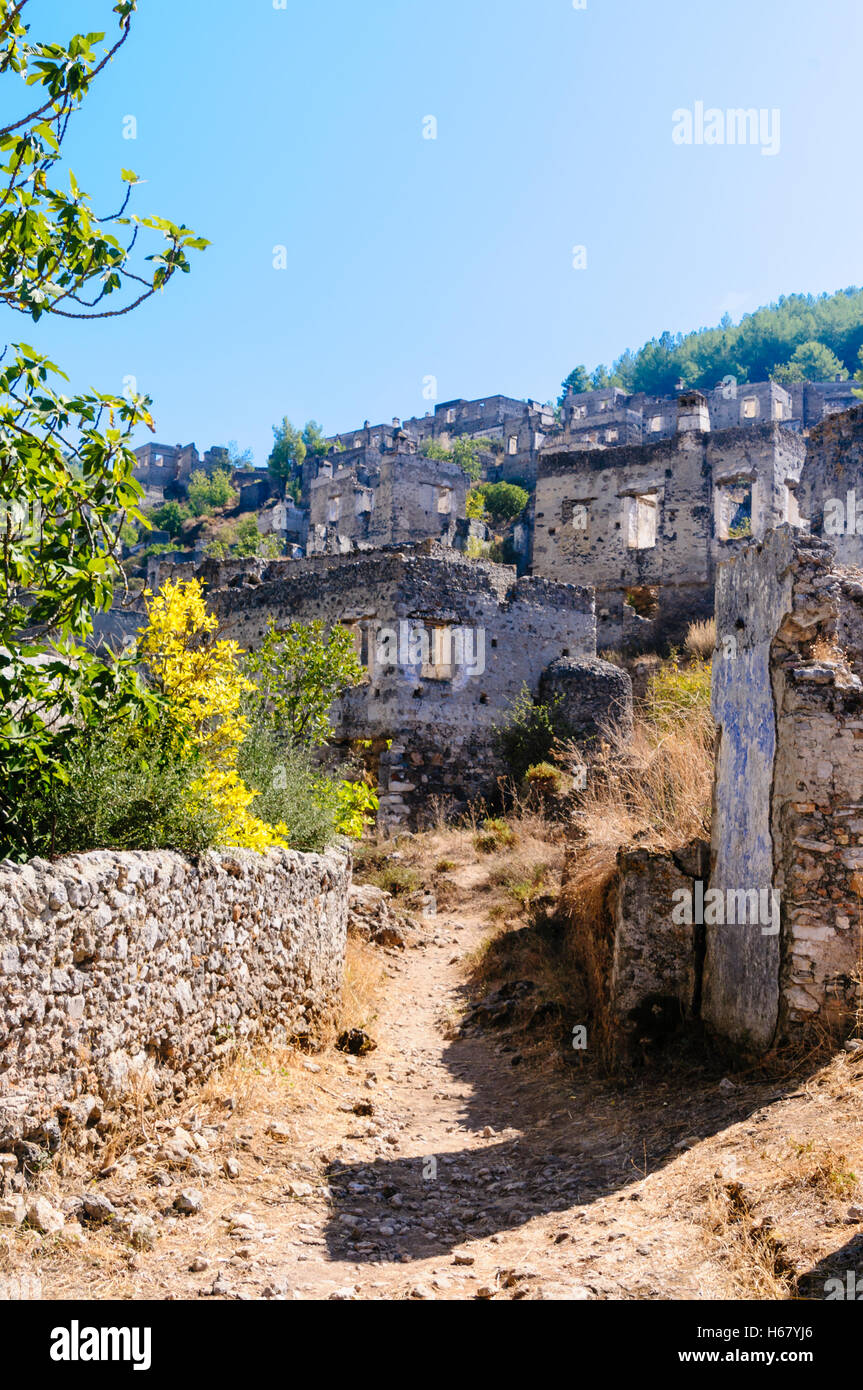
[788,807]
[831,488]
[383,495]
[517,429]
[611,418]
[645,525]
[163,470]
[758,936]
[447,644]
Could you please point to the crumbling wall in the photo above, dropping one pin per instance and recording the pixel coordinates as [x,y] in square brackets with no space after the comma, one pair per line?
[439,715]
[640,952]
[831,488]
[646,526]
[123,971]
[788,813]
[381,499]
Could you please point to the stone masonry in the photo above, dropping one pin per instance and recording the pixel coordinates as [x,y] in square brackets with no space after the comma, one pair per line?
[448,643]
[377,498]
[647,525]
[788,802]
[138,971]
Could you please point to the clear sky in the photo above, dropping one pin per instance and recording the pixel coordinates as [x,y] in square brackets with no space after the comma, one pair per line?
[409,258]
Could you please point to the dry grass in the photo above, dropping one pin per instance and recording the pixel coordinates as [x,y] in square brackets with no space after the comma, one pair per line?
[655,789]
[754,1258]
[701,639]
[828,649]
[364,973]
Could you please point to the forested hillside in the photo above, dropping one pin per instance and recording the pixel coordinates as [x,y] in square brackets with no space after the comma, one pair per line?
[802,337]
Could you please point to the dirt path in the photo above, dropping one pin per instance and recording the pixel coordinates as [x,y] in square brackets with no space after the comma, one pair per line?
[435,1167]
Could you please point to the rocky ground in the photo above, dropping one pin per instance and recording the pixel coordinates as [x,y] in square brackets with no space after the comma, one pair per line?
[447,1163]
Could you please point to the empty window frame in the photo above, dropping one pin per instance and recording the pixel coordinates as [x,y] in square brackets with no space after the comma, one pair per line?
[439,664]
[792,506]
[640,516]
[334,509]
[749,408]
[644,601]
[513,444]
[734,511]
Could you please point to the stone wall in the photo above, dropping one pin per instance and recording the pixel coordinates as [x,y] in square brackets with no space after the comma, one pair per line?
[376,499]
[788,803]
[647,526]
[831,488]
[137,971]
[408,609]
[641,957]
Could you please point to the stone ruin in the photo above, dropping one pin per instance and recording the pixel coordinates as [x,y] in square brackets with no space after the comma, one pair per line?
[753,521]
[388,495]
[447,643]
[757,937]
[647,525]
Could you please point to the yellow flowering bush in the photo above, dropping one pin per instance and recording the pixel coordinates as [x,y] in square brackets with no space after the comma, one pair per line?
[202,679]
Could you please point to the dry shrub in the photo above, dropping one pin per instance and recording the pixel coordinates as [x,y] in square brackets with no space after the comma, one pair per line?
[828,649]
[701,639]
[655,788]
[588,905]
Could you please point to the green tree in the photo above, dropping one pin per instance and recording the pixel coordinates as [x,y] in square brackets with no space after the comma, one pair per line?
[300,671]
[240,458]
[762,345]
[858,375]
[465,452]
[313,438]
[528,734]
[210,490]
[66,484]
[244,541]
[577,381]
[170,517]
[287,457]
[504,501]
[431,449]
[811,362]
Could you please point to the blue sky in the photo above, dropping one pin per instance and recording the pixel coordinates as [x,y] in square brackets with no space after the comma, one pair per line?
[451,258]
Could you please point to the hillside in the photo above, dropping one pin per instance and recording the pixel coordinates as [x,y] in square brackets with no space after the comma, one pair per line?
[801,337]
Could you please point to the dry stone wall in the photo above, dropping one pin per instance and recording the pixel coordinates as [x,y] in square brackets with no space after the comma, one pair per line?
[137,971]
